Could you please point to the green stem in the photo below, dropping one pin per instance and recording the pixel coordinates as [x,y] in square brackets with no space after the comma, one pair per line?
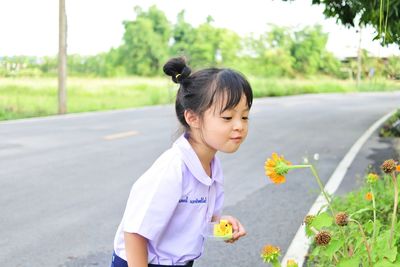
[365,241]
[396,200]
[324,193]
[322,188]
[374,210]
[380,16]
[387,16]
[276,264]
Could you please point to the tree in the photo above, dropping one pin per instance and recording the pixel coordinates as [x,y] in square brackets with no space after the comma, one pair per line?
[183,36]
[309,50]
[203,51]
[383,15]
[145,46]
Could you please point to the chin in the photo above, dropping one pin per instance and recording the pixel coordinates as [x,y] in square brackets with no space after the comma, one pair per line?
[231,150]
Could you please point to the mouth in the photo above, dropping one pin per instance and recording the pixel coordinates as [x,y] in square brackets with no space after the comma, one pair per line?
[237,139]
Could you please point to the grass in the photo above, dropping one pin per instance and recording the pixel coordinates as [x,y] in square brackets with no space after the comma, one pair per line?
[33,97]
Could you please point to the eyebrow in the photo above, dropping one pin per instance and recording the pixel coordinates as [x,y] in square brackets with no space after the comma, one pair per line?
[247,109]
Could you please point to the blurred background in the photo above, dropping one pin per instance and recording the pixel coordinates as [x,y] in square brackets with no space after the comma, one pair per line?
[115,50]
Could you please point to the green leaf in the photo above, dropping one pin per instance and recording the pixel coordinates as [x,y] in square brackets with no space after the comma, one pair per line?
[369,227]
[390,254]
[309,233]
[333,246]
[355,261]
[386,263]
[322,220]
[360,211]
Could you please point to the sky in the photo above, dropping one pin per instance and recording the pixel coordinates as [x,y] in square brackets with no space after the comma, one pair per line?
[31,27]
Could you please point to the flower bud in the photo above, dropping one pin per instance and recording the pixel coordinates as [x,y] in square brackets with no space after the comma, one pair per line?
[342,219]
[372,178]
[308,219]
[322,238]
[388,166]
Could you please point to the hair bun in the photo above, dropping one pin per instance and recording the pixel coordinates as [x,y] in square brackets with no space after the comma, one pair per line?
[177,69]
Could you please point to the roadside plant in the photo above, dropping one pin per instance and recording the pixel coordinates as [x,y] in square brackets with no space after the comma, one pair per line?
[270,254]
[364,232]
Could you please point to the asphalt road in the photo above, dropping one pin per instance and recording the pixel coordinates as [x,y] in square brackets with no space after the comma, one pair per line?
[64,181]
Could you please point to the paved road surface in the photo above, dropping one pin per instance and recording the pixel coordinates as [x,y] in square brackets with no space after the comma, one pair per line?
[64,181]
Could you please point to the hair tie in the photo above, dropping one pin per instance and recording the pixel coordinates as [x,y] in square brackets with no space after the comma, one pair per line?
[177,76]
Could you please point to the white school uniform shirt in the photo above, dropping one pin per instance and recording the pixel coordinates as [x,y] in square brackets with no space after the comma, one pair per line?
[171,204]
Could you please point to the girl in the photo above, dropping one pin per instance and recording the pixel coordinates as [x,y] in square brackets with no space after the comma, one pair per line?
[172,202]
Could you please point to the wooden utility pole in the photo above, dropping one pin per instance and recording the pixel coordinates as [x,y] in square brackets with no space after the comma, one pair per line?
[62,59]
[359,60]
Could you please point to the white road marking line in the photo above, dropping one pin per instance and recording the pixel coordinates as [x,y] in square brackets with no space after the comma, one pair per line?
[120,135]
[300,244]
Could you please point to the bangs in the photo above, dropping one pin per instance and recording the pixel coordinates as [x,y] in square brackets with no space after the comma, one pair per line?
[229,89]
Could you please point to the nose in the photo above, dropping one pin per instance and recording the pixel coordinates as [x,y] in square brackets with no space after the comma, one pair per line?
[238,126]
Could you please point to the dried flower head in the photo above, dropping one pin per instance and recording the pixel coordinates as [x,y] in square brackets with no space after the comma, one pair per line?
[388,166]
[270,253]
[276,168]
[322,238]
[372,178]
[291,263]
[308,219]
[369,196]
[342,219]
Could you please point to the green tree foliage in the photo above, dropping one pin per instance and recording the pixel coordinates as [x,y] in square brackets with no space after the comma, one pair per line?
[309,51]
[150,39]
[383,15]
[183,36]
[145,47]
[392,69]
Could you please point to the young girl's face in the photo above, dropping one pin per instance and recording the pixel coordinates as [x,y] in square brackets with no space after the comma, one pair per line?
[227,130]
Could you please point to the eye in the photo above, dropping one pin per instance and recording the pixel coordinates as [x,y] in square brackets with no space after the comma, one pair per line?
[245,118]
[227,118]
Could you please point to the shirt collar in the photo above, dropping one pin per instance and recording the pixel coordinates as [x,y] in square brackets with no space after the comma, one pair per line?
[193,163]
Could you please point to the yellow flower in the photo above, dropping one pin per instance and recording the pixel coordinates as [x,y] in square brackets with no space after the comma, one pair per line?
[270,253]
[372,178]
[369,196]
[291,263]
[276,168]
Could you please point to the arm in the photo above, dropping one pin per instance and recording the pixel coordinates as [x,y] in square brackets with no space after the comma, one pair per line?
[136,250]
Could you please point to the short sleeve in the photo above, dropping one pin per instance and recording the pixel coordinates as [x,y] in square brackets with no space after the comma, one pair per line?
[154,197]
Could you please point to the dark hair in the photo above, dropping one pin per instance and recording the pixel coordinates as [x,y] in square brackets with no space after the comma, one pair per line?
[198,91]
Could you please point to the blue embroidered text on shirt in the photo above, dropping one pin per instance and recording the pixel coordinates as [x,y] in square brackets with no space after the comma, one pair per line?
[184,199]
[198,200]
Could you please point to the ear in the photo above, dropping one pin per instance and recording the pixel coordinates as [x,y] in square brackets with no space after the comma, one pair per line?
[192,119]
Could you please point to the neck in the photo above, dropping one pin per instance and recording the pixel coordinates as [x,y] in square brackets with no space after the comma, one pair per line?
[203,152]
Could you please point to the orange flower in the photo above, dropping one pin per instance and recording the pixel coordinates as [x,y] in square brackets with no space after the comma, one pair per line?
[276,168]
[398,168]
[270,253]
[369,196]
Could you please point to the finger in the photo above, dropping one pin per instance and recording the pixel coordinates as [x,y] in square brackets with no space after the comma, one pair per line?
[241,231]
[235,225]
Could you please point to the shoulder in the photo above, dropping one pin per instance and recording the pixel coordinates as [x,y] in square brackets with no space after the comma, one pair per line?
[168,166]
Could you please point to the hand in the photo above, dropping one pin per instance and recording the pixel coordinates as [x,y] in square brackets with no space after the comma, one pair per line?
[237,228]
